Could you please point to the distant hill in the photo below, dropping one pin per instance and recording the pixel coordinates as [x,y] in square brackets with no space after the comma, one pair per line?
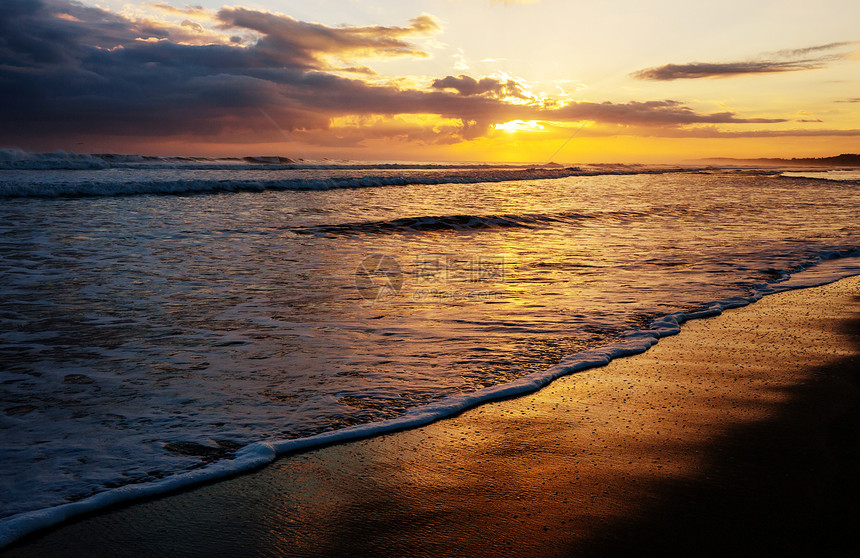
[844,160]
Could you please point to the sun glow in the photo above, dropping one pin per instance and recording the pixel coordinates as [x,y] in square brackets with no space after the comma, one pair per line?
[520,126]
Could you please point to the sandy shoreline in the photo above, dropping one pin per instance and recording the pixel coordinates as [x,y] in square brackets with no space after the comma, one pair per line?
[738,435]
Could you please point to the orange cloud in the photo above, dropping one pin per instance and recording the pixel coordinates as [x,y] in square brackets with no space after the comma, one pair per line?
[292,42]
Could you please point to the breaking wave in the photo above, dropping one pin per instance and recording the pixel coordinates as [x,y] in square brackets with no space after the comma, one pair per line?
[50,175]
[16,159]
[431,223]
[88,189]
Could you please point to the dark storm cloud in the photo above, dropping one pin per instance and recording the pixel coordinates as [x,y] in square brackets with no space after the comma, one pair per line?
[68,71]
[781,61]
[34,32]
[466,85]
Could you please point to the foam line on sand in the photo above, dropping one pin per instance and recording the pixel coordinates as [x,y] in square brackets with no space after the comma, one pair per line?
[739,433]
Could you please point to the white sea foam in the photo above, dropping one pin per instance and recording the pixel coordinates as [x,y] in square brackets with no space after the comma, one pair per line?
[840,175]
[258,454]
[248,458]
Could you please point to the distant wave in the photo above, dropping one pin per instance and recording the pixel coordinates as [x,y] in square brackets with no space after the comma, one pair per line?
[86,189]
[325,175]
[306,175]
[834,176]
[15,159]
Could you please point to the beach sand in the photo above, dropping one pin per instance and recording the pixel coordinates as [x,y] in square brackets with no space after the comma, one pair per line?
[739,436]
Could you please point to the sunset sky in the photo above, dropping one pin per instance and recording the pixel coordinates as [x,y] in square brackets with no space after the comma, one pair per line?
[460,80]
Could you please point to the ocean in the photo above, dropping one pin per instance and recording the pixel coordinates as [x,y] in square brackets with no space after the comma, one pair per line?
[168,320]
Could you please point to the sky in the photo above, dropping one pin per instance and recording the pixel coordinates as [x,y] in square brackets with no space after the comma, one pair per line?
[436,80]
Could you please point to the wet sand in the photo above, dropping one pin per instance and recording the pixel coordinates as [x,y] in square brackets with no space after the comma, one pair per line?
[741,435]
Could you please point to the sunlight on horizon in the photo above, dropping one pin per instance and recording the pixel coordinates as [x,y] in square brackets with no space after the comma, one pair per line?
[437,80]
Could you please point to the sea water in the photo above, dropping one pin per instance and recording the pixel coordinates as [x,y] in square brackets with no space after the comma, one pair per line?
[167,320]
